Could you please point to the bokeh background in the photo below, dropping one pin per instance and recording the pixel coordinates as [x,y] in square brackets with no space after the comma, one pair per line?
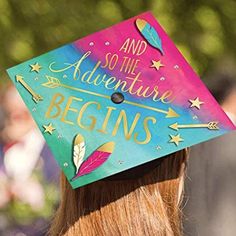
[204,31]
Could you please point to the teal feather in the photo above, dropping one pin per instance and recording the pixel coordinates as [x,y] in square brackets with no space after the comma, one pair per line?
[150,34]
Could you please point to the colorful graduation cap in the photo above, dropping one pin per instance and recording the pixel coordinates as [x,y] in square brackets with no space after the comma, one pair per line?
[117,99]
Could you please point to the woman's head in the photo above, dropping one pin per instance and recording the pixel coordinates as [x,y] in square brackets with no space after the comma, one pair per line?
[148,205]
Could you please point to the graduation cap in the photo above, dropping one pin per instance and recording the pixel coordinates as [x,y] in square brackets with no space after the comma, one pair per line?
[117,99]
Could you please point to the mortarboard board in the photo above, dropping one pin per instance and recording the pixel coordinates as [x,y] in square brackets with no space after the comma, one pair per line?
[117,99]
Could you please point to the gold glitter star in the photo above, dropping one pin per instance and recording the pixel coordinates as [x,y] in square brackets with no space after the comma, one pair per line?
[196,103]
[176,139]
[156,64]
[48,128]
[35,67]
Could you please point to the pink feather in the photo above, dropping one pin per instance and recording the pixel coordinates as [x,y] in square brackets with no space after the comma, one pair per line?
[95,160]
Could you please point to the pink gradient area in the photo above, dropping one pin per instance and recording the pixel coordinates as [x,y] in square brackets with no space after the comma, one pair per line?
[176,75]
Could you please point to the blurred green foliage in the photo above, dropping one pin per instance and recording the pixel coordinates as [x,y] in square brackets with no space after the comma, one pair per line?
[204,31]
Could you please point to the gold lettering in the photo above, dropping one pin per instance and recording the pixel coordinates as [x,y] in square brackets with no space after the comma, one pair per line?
[76,65]
[123,63]
[134,67]
[122,84]
[134,87]
[55,104]
[140,51]
[109,81]
[125,45]
[166,95]
[122,116]
[105,122]
[136,48]
[68,108]
[107,60]
[147,131]
[91,73]
[81,113]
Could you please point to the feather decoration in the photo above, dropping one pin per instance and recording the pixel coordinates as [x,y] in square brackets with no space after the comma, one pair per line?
[79,151]
[96,159]
[150,34]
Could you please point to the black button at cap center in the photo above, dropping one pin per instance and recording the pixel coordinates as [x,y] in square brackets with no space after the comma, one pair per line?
[117,98]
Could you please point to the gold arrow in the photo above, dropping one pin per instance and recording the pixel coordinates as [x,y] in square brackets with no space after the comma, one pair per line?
[169,114]
[36,97]
[54,82]
[211,125]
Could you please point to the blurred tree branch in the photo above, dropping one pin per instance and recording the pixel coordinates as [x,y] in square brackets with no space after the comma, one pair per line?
[204,31]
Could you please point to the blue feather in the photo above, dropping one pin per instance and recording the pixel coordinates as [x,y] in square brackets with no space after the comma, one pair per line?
[150,34]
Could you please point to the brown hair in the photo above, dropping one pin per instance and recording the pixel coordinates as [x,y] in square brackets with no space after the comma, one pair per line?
[148,205]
